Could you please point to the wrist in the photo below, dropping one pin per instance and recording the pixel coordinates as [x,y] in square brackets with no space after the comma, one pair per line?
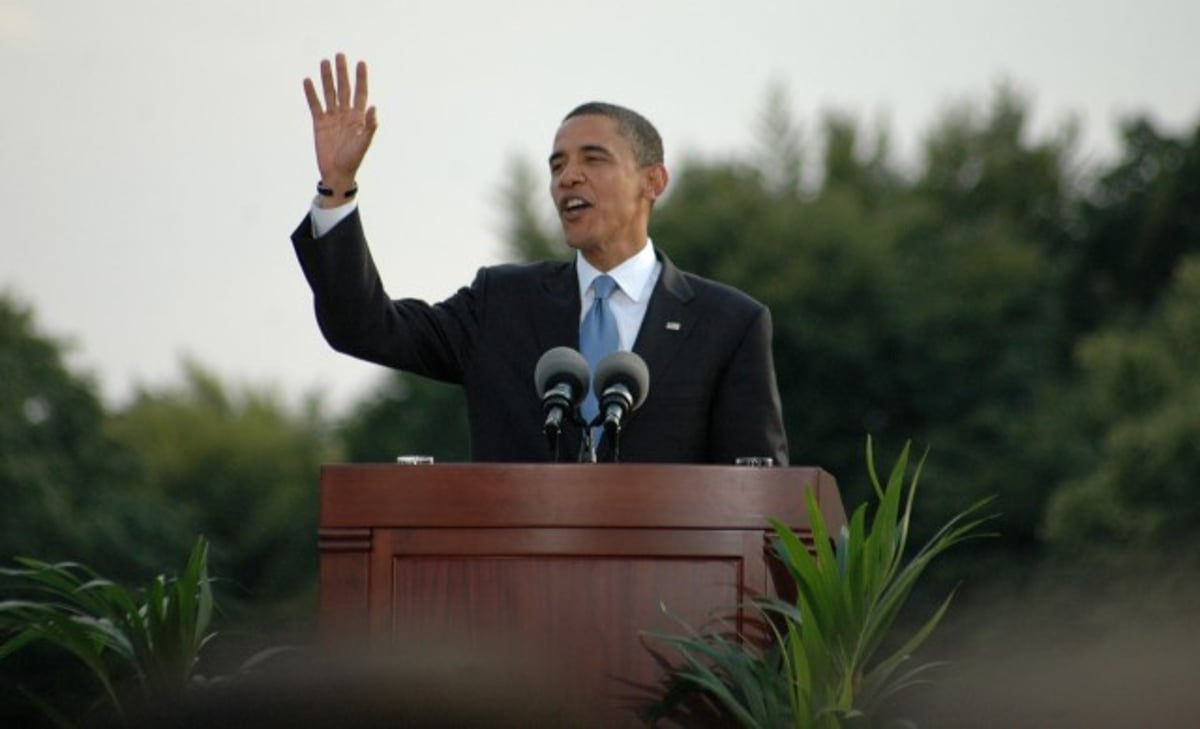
[337,192]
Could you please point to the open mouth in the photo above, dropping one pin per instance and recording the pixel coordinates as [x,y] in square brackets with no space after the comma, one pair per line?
[573,207]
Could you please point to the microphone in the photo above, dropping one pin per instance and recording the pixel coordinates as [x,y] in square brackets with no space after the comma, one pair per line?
[621,382]
[561,378]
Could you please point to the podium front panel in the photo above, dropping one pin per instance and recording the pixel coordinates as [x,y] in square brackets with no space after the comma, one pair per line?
[556,572]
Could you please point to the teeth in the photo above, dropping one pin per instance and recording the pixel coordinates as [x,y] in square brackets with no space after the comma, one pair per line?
[574,203]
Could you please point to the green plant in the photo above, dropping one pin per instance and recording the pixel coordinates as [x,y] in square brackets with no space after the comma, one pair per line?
[824,667]
[137,645]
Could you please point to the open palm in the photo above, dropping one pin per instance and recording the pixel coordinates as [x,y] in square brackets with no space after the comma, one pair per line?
[343,124]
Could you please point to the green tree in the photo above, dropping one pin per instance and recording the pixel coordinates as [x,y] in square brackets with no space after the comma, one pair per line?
[239,467]
[65,483]
[867,174]
[925,309]
[982,168]
[530,232]
[779,145]
[1135,226]
[69,492]
[408,415]
[1141,395]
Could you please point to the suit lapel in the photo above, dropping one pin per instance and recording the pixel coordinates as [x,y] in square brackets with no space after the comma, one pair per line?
[665,327]
[557,325]
[668,320]
[558,321]
[666,324]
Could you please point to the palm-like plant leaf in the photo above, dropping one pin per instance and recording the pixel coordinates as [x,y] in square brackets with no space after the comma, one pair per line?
[152,642]
[850,587]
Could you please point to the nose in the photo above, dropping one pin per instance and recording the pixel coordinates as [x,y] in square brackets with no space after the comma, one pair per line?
[570,174]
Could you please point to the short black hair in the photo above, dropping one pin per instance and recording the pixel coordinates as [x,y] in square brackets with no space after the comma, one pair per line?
[643,137]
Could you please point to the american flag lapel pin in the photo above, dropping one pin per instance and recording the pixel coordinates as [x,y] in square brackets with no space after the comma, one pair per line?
[672,326]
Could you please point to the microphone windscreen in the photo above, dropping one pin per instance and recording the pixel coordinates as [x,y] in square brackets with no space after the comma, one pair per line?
[623,368]
[562,365]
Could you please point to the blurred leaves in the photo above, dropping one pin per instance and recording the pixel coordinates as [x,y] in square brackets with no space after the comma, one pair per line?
[58,467]
[1142,393]
[238,466]
[408,415]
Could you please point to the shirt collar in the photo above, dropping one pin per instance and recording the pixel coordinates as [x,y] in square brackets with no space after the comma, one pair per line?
[631,275]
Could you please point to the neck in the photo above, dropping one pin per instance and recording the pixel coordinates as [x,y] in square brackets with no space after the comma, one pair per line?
[605,259]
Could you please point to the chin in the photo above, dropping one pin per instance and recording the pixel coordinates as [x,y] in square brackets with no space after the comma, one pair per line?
[577,243]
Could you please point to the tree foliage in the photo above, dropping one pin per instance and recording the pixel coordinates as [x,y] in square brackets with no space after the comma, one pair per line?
[1141,392]
[63,478]
[529,231]
[408,415]
[239,467]
[924,309]
[1138,222]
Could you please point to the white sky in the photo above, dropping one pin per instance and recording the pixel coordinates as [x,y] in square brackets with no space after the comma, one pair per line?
[156,154]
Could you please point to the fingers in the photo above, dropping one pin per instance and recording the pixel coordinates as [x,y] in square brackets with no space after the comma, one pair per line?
[337,89]
[314,101]
[328,87]
[343,80]
[360,86]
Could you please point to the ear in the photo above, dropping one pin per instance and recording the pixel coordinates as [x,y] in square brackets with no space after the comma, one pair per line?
[655,178]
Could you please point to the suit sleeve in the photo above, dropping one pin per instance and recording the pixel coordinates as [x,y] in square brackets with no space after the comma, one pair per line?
[357,317]
[747,417]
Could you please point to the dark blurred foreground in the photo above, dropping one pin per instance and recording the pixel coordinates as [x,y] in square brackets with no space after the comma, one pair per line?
[413,685]
[1121,655]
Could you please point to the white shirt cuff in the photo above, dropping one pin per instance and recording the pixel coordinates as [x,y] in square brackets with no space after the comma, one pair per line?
[323,219]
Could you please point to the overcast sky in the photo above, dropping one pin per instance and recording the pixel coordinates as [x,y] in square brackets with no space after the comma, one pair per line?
[156,154]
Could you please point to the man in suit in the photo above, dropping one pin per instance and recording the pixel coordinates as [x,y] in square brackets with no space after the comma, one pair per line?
[712,396]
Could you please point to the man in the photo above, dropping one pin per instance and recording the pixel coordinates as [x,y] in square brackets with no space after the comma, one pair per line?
[712,396]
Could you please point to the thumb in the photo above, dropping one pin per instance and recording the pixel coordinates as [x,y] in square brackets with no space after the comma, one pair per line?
[370,124]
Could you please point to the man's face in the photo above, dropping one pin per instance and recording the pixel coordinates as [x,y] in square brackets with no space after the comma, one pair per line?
[602,195]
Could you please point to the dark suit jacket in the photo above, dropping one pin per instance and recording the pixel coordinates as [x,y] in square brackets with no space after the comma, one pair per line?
[712,394]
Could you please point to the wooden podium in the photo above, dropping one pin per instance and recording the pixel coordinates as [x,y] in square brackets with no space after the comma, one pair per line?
[560,566]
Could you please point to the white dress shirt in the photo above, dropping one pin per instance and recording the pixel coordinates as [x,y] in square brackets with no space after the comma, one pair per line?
[635,279]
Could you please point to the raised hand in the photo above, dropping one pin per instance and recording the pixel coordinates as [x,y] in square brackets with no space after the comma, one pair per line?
[342,127]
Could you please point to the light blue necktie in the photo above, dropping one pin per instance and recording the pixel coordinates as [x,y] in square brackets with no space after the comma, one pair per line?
[597,337]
